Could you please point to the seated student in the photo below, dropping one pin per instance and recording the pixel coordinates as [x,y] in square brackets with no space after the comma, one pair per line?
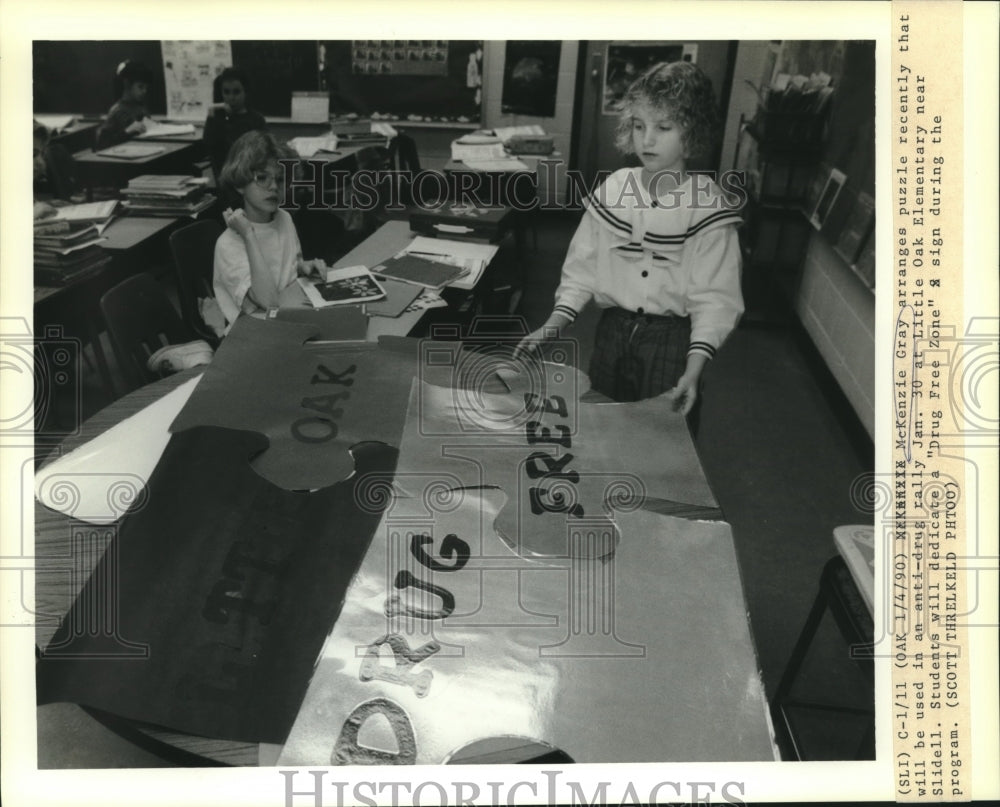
[125,119]
[52,166]
[259,256]
[230,119]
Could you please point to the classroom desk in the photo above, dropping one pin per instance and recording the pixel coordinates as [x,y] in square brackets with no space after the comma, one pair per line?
[384,243]
[76,306]
[80,134]
[96,170]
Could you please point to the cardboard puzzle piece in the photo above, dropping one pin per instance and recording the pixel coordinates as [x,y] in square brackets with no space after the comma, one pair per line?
[562,463]
[225,587]
[447,638]
[312,401]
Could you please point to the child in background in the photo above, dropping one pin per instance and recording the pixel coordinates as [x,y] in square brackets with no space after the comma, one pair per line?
[258,257]
[656,249]
[230,119]
[125,119]
[52,169]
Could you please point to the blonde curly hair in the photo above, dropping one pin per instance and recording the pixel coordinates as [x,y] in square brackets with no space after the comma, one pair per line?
[679,91]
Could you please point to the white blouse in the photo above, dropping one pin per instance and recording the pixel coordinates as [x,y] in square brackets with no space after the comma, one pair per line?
[678,254]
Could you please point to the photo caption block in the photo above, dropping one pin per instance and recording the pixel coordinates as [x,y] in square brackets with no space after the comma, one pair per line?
[929,621]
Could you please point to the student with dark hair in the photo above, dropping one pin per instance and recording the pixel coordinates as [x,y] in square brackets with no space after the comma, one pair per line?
[125,119]
[229,119]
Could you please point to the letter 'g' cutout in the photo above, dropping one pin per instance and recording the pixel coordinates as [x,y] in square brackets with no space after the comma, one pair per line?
[346,751]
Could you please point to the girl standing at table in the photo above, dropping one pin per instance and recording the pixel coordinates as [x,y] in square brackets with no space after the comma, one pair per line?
[656,249]
[230,119]
[125,119]
[258,257]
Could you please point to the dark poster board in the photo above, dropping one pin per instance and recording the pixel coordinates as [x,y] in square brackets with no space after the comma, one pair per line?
[78,77]
[276,69]
[402,78]
[530,75]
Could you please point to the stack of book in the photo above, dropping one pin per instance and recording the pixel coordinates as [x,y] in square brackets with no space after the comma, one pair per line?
[167,195]
[477,147]
[67,250]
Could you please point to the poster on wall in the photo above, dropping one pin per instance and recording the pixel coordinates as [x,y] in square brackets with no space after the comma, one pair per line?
[624,62]
[189,70]
[530,76]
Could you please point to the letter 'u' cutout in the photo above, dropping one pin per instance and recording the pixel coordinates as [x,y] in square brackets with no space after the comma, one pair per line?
[347,751]
[394,606]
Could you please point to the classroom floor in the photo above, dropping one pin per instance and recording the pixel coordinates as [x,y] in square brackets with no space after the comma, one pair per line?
[781,451]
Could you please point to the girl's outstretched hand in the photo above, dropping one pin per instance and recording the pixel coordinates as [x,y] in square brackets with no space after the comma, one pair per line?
[684,395]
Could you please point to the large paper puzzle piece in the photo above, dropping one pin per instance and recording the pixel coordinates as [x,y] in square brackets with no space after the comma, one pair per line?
[448,638]
[312,401]
[562,463]
[222,588]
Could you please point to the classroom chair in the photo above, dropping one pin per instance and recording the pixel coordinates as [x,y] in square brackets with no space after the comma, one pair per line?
[193,251]
[141,320]
[845,592]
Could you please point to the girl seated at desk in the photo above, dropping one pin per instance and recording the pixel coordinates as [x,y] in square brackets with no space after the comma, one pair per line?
[258,257]
[230,119]
[125,119]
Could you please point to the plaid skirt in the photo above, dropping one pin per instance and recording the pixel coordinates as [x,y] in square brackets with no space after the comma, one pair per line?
[638,356]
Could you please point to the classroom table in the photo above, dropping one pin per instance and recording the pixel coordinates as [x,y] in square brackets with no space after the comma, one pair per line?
[97,170]
[515,187]
[61,541]
[80,134]
[130,240]
[53,529]
[55,589]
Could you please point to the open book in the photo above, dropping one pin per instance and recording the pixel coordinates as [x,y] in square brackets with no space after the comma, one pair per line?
[352,284]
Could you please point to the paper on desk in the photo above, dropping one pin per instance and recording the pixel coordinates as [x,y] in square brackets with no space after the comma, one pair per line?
[308,146]
[157,129]
[54,123]
[472,256]
[98,481]
[495,165]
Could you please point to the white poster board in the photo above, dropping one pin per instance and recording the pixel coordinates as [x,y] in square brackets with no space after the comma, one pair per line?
[189,68]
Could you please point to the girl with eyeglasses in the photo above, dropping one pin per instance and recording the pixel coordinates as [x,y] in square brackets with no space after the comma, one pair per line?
[259,256]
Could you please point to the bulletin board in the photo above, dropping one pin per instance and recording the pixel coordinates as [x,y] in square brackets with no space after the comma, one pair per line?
[189,70]
[433,80]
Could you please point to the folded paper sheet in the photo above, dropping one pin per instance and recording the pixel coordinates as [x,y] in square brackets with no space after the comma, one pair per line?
[101,479]
[224,587]
[448,638]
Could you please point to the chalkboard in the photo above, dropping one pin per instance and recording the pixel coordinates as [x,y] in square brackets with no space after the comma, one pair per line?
[275,69]
[78,77]
[429,79]
[436,80]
